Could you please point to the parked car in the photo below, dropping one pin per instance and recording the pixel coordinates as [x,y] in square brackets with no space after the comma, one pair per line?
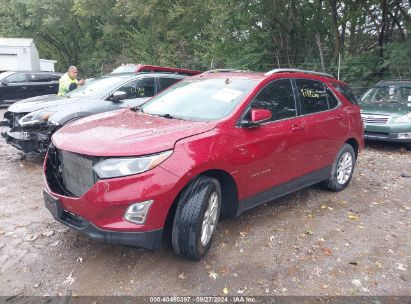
[214,143]
[386,111]
[137,68]
[19,85]
[34,120]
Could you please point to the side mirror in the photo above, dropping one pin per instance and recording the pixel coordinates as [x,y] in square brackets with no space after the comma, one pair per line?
[118,95]
[257,117]
[4,83]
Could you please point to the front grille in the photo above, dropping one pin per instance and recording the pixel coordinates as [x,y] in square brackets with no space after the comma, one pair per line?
[375,118]
[78,174]
[69,173]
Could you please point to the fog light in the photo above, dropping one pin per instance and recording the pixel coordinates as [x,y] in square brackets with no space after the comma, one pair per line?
[404,135]
[136,213]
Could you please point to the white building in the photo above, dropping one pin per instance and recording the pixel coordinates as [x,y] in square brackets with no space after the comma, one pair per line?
[21,54]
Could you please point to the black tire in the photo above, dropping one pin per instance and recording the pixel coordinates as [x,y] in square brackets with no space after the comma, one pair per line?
[188,219]
[334,183]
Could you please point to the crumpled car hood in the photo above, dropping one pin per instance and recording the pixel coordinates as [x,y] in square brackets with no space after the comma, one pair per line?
[125,133]
[39,102]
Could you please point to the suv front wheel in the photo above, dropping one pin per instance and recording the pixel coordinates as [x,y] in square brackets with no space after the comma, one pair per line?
[342,169]
[196,218]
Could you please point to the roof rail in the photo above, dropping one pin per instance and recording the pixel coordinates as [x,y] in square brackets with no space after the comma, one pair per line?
[275,71]
[226,71]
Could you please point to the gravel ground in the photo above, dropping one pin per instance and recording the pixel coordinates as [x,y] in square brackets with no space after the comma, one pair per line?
[312,242]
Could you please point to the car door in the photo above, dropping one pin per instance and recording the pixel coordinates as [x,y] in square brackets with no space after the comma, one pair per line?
[273,149]
[39,84]
[53,84]
[138,91]
[326,121]
[15,87]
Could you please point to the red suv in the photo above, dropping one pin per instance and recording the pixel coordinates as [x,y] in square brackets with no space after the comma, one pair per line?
[217,143]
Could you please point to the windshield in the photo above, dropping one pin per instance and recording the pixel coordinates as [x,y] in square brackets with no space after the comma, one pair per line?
[388,94]
[4,75]
[124,69]
[95,86]
[200,99]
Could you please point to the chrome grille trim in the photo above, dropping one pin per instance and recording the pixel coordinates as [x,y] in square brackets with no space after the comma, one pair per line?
[375,118]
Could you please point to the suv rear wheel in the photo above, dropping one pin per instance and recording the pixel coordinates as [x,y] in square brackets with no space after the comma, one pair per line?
[342,169]
[196,218]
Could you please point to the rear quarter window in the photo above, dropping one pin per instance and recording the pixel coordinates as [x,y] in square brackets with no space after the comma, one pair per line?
[346,91]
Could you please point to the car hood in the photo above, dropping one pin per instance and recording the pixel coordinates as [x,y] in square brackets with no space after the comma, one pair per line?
[39,102]
[125,133]
[386,108]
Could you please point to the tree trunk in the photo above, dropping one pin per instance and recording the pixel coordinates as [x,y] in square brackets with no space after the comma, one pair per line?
[320,49]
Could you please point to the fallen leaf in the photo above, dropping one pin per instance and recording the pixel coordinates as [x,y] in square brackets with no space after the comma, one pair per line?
[308,232]
[326,251]
[323,207]
[353,263]
[70,279]
[401,267]
[32,237]
[79,260]
[352,216]
[182,276]
[243,234]
[213,275]
[356,283]
[225,290]
[47,233]
[224,270]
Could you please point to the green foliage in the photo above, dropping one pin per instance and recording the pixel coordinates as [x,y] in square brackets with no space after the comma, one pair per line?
[369,36]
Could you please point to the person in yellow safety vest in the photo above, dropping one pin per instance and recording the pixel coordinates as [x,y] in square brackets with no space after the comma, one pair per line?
[68,81]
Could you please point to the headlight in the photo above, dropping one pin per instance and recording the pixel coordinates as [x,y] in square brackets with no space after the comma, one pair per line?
[35,118]
[115,167]
[404,118]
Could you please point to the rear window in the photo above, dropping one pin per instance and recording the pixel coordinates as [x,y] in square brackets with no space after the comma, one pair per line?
[347,92]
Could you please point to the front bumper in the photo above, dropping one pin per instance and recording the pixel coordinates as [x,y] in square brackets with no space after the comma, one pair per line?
[148,239]
[28,141]
[388,137]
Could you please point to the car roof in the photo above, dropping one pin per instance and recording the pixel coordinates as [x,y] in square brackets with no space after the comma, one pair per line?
[400,82]
[233,73]
[155,68]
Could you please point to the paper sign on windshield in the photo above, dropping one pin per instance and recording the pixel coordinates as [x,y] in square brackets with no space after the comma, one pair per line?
[226,95]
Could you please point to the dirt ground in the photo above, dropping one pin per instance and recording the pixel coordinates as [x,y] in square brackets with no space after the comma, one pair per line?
[312,242]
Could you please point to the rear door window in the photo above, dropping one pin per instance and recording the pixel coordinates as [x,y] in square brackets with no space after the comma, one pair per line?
[38,77]
[54,77]
[312,95]
[332,100]
[277,97]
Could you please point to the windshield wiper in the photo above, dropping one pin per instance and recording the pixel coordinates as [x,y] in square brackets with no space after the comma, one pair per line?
[166,116]
[137,108]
